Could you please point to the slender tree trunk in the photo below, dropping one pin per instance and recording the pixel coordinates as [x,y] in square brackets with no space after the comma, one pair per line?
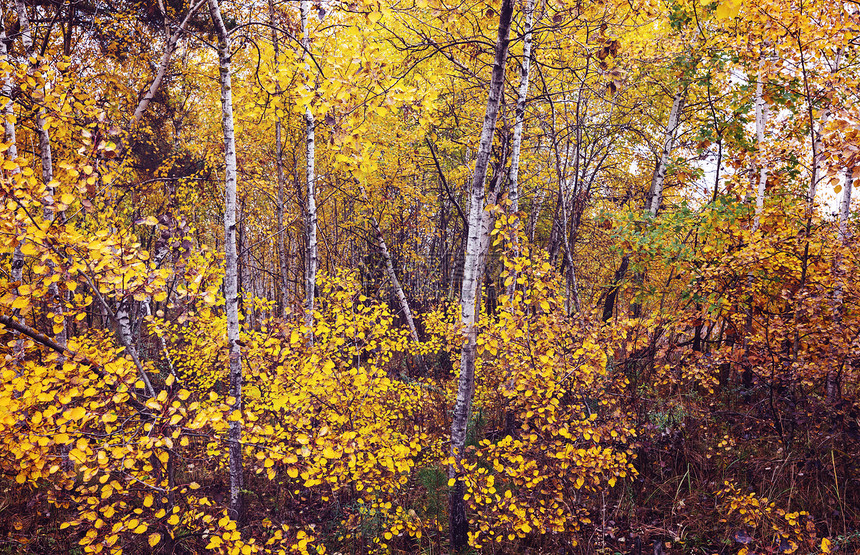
[522,97]
[56,302]
[843,236]
[398,290]
[668,145]
[17,268]
[172,40]
[311,268]
[818,157]
[462,408]
[655,200]
[231,293]
[568,254]
[761,114]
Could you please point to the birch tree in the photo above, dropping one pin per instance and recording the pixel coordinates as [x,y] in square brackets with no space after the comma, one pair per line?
[8,111]
[761,114]
[668,145]
[231,293]
[832,385]
[516,146]
[311,222]
[655,193]
[172,42]
[471,281]
[398,289]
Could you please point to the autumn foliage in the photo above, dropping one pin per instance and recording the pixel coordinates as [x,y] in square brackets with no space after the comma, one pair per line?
[667,305]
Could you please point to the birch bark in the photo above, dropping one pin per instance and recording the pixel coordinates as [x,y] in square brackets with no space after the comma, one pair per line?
[471,280]
[172,41]
[311,267]
[230,260]
[761,114]
[656,197]
[17,267]
[516,146]
[395,284]
[668,145]
[522,96]
[832,385]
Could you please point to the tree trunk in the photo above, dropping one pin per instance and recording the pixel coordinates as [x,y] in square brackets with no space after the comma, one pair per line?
[570,274]
[311,268]
[172,40]
[459,526]
[818,157]
[17,268]
[655,200]
[231,293]
[398,290]
[761,113]
[668,145]
[833,385]
[522,97]
[58,321]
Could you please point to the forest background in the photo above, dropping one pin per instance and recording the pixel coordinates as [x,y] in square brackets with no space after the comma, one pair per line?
[429,277]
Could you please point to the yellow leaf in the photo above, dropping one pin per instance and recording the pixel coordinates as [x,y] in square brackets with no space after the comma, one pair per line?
[374,17]
[826,546]
[76,413]
[728,9]
[67,198]
[154,539]
[29,249]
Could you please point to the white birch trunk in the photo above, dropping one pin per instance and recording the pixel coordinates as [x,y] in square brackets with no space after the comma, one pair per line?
[395,283]
[311,268]
[522,96]
[172,40]
[832,385]
[761,113]
[568,253]
[817,160]
[818,156]
[164,351]
[471,282]
[668,145]
[231,293]
[6,93]
[17,268]
[516,146]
